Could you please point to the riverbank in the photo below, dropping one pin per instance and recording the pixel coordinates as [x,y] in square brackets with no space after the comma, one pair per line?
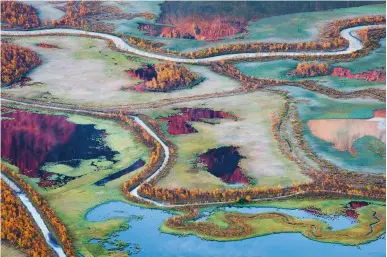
[235,225]
[354,45]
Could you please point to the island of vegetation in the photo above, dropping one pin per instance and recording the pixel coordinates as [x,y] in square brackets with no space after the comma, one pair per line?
[310,69]
[228,226]
[164,77]
[16,61]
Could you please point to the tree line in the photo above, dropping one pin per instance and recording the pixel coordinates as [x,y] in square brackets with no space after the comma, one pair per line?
[16,61]
[326,183]
[170,76]
[18,228]
[18,15]
[329,39]
[48,214]
[310,69]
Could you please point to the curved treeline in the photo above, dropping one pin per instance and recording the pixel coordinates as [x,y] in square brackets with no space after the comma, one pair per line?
[18,227]
[16,61]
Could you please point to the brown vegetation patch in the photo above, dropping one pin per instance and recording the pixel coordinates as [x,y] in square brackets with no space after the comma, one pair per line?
[45,45]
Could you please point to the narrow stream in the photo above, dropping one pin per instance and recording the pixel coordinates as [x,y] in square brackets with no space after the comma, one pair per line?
[48,236]
[354,45]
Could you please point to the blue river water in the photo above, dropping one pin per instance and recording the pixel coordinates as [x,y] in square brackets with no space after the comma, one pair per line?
[145,233]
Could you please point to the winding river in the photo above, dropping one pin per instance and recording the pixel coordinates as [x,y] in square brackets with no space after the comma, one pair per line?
[354,45]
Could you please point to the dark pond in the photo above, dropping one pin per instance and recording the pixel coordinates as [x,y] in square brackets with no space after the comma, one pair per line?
[223,163]
[118,174]
[352,206]
[179,123]
[28,140]
[147,72]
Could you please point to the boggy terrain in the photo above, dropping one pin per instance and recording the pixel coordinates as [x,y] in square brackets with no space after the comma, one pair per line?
[31,139]
[251,135]
[370,76]
[223,163]
[179,123]
[234,225]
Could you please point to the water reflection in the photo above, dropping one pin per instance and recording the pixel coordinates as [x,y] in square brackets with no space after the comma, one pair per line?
[28,140]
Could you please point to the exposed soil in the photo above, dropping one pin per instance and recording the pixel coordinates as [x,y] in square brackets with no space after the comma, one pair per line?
[370,76]
[179,123]
[380,113]
[223,163]
[342,133]
[28,140]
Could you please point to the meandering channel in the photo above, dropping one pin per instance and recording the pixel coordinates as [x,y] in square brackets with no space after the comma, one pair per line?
[354,45]
[48,236]
[154,135]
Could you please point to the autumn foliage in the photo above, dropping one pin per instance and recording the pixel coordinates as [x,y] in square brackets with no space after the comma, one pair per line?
[16,61]
[18,227]
[90,15]
[253,83]
[74,15]
[329,38]
[171,76]
[310,69]
[48,214]
[19,15]
[165,77]
[156,155]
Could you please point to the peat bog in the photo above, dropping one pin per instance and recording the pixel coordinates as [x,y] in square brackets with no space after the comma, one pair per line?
[178,124]
[31,139]
[223,163]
